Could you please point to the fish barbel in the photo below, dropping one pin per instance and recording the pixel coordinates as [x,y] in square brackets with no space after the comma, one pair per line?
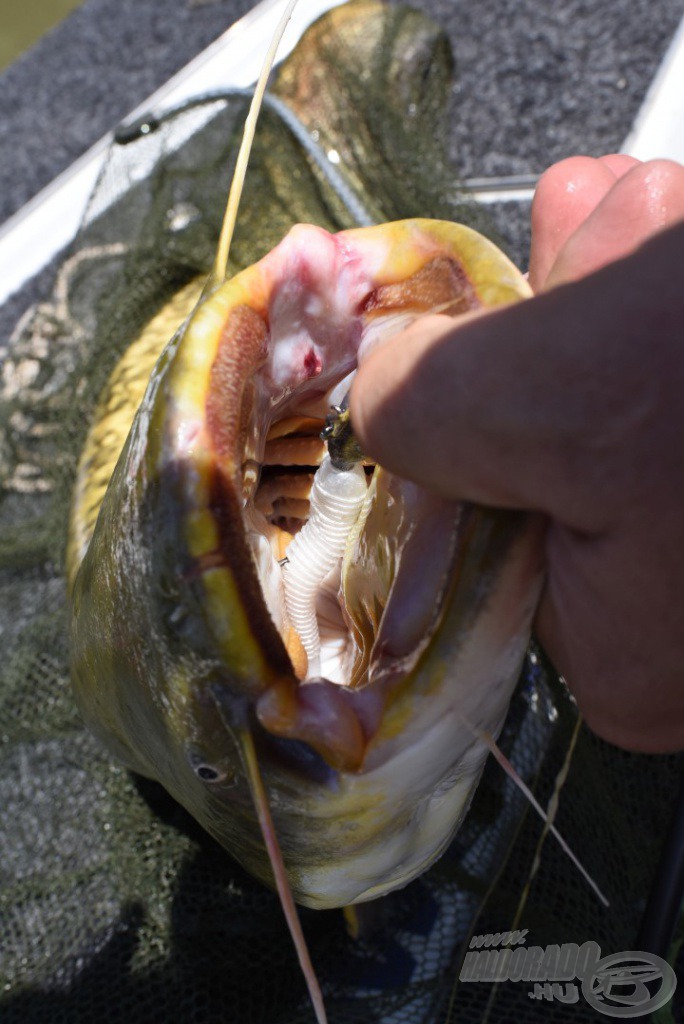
[310,654]
[181,639]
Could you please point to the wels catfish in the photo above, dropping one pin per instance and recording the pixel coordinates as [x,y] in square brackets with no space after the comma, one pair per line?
[304,649]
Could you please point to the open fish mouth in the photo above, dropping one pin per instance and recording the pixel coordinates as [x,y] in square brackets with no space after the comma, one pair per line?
[327,303]
[358,627]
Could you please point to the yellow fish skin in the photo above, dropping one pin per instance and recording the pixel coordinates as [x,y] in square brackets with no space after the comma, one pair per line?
[180,640]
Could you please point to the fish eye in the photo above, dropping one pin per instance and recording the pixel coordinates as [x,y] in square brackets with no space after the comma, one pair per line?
[207,772]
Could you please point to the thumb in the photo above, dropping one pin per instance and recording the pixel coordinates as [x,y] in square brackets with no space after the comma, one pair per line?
[454,406]
[522,406]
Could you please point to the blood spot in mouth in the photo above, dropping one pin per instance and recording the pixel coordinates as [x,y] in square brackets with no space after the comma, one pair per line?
[312,363]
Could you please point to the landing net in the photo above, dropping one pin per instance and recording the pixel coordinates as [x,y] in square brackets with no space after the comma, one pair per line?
[114,905]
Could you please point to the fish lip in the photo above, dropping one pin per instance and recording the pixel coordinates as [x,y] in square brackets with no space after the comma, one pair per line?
[304,788]
[256,297]
[292,756]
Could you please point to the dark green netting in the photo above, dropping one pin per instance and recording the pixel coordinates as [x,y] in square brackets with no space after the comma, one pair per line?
[114,905]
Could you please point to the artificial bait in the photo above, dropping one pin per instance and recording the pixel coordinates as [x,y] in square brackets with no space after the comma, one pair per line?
[335,503]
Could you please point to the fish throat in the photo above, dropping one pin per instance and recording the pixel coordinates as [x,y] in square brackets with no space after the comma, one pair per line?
[320,543]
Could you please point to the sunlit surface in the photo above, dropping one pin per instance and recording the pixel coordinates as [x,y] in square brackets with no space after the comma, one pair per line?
[22,24]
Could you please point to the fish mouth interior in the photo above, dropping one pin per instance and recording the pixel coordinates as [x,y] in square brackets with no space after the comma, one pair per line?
[293,454]
[272,385]
[384,595]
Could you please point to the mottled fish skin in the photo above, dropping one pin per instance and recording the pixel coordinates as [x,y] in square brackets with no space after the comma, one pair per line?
[113,419]
[174,651]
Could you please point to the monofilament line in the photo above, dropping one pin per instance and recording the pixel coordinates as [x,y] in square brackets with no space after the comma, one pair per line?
[230,217]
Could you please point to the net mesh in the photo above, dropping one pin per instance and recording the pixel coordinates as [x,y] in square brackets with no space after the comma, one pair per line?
[114,905]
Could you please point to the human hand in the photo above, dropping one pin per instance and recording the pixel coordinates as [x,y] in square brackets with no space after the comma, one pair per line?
[571,404]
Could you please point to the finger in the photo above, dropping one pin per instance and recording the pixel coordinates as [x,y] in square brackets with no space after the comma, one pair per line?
[647,198]
[565,196]
[610,622]
[619,163]
[533,406]
[475,411]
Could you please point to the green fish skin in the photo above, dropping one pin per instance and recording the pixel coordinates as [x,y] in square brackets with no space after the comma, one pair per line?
[180,645]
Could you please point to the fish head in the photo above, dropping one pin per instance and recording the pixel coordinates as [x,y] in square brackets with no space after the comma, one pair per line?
[182,644]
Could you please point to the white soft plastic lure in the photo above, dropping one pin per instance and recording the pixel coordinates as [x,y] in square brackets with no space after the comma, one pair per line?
[335,502]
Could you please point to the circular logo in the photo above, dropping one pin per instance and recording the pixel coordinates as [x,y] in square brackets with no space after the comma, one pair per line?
[629,984]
